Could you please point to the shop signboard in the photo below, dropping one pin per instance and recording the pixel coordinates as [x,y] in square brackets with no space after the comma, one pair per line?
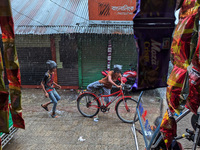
[111,12]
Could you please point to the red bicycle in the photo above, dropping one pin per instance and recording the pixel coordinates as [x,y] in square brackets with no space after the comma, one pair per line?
[89,104]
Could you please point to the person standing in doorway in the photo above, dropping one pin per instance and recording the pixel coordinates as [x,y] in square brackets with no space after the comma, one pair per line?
[48,87]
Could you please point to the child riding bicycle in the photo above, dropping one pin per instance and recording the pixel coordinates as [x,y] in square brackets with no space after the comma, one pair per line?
[108,82]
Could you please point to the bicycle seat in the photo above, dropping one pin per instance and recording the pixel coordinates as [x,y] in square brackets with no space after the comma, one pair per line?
[98,86]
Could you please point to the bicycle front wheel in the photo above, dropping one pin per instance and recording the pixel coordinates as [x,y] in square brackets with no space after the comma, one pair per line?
[88,105]
[126,110]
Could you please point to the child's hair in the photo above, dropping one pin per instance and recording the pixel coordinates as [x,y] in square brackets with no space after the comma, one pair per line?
[51,64]
[117,70]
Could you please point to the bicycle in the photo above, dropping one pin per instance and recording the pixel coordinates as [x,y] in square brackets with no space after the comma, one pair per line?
[190,135]
[156,141]
[89,104]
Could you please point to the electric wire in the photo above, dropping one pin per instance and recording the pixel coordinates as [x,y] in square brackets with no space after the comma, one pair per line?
[33,19]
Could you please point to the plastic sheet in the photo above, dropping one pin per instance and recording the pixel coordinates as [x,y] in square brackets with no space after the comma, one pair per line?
[153,27]
[193,99]
[182,50]
[168,128]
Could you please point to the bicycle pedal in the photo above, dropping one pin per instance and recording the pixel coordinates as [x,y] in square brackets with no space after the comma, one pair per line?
[107,110]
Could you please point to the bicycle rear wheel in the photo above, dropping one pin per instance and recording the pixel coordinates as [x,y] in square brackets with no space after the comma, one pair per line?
[88,105]
[126,110]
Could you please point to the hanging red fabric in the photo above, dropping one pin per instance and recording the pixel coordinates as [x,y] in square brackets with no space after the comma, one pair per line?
[12,69]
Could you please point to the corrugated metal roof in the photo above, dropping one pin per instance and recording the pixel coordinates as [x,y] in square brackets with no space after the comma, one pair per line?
[57,16]
[51,29]
[50,12]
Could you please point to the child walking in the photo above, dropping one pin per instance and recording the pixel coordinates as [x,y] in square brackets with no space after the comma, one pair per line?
[48,87]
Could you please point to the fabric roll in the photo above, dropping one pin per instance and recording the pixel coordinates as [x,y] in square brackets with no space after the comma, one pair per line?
[4,124]
[12,69]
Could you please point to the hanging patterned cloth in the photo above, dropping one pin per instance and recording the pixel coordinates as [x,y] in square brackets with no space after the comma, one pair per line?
[13,72]
[182,50]
[193,99]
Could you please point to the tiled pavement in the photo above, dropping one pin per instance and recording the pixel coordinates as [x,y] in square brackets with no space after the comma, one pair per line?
[45,133]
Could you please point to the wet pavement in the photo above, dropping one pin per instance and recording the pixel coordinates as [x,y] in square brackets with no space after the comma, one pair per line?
[46,133]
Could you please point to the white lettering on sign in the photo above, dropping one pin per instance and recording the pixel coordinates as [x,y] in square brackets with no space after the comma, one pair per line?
[110,49]
[155,47]
[123,8]
[109,57]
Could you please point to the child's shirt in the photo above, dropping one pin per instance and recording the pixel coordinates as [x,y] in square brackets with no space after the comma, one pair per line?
[48,81]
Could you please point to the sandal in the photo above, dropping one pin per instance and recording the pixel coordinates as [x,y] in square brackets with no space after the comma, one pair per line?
[54,116]
[46,108]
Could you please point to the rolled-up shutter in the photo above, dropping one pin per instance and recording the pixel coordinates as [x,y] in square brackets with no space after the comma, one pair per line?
[124,51]
[93,57]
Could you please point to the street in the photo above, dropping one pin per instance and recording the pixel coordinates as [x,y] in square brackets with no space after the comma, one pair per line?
[45,133]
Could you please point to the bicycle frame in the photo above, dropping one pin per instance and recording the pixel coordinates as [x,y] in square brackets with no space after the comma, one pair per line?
[118,94]
[134,129]
[185,113]
[156,133]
